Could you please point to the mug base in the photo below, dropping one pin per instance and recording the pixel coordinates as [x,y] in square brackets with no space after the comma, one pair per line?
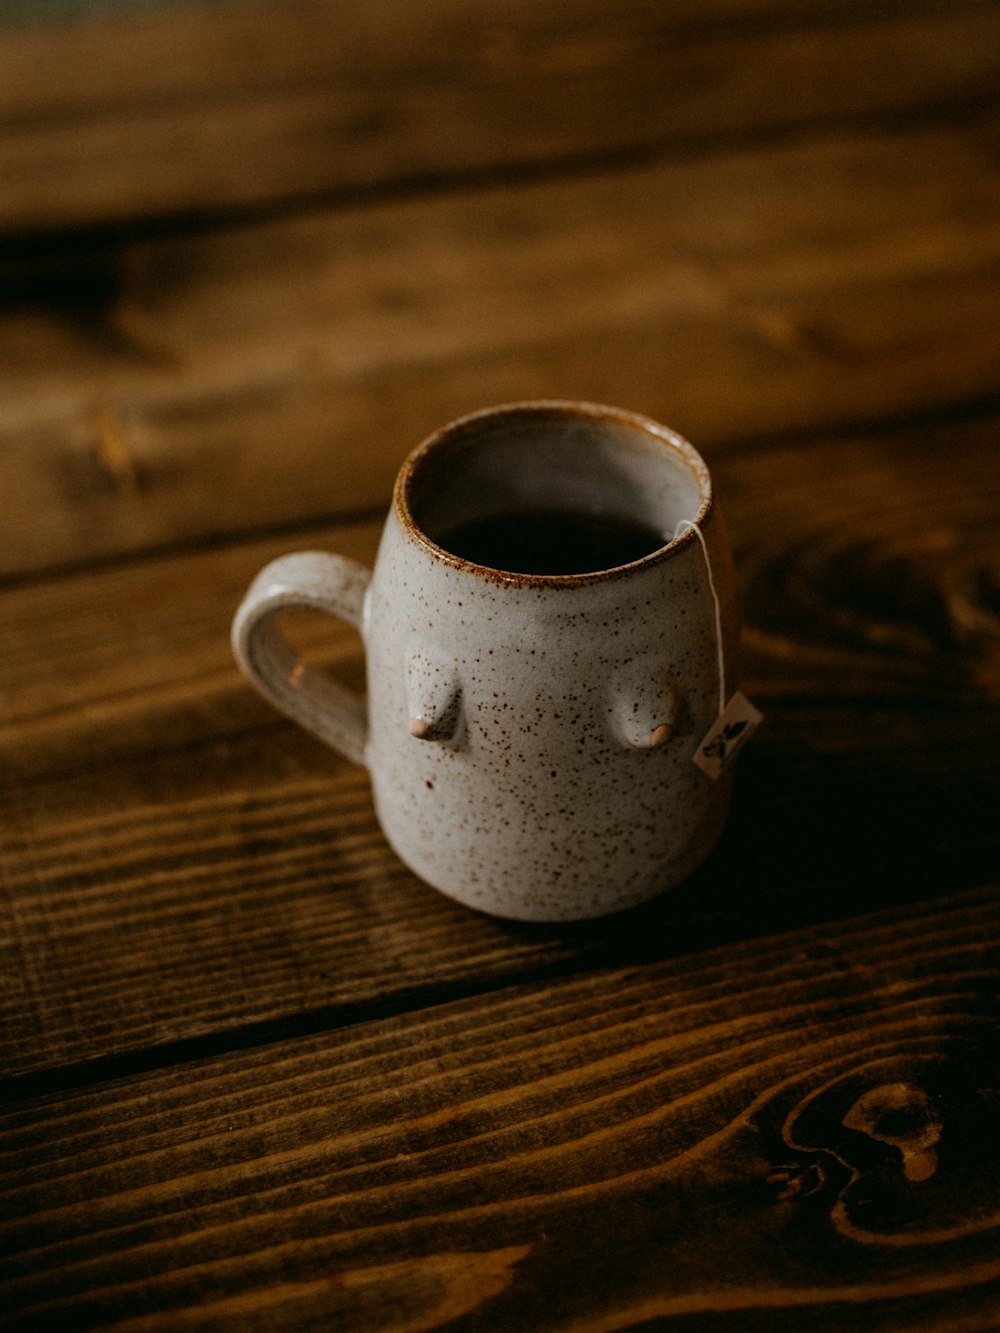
[579,902]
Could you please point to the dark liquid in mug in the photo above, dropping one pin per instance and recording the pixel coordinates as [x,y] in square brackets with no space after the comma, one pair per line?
[551,541]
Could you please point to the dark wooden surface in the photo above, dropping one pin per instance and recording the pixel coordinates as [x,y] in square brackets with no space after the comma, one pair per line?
[254,1074]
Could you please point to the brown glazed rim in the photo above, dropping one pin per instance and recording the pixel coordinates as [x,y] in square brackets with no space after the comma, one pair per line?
[418,459]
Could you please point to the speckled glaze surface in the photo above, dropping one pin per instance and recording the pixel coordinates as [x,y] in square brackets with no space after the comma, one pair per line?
[529,737]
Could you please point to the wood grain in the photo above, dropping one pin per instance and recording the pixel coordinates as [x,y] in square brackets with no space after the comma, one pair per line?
[868,570]
[177,861]
[820,1104]
[253,1074]
[192,111]
[775,291]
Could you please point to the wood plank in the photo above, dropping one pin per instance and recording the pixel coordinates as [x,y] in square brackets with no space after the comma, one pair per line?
[867,567]
[192,50]
[159,924]
[736,296]
[193,111]
[177,861]
[799,1128]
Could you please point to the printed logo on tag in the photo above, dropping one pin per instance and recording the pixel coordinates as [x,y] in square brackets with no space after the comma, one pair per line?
[729,733]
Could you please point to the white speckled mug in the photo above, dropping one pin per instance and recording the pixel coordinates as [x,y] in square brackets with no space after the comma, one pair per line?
[529,736]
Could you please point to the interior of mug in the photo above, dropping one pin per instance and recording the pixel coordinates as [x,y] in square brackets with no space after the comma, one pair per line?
[537,458]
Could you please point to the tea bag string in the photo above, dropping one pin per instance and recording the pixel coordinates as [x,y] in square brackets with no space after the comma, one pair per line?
[687,523]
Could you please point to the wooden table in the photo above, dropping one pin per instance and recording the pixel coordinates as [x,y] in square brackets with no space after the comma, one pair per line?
[256,1075]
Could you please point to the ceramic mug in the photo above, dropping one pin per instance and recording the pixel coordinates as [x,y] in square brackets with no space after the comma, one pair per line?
[529,735]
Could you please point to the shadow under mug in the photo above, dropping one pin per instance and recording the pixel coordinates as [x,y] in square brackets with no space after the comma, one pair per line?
[530,736]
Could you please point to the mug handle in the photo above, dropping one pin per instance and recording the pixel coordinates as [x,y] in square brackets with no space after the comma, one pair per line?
[325,582]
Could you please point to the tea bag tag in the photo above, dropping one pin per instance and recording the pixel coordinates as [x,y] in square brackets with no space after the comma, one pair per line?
[728,734]
[738,719]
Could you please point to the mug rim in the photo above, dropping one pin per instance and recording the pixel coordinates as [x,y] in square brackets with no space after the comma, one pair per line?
[418,458]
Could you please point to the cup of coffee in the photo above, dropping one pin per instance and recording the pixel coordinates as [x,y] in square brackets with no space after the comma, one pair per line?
[550,637]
